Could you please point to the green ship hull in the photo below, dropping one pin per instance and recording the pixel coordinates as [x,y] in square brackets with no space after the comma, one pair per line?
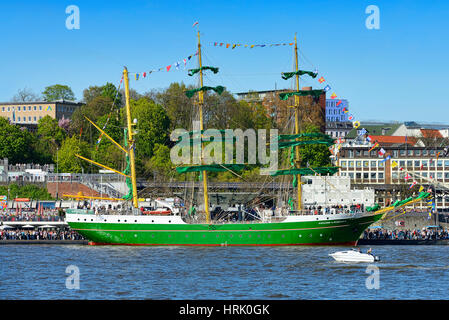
[316,230]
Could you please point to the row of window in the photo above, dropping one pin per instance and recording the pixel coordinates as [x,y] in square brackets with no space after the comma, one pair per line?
[394,153]
[24,108]
[365,175]
[402,163]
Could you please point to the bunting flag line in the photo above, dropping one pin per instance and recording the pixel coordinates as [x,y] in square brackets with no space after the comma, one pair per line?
[235,45]
[176,66]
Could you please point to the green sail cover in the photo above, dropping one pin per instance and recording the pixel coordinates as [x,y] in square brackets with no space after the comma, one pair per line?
[127,171]
[314,93]
[301,135]
[373,208]
[211,168]
[402,202]
[191,72]
[288,75]
[217,89]
[288,144]
[306,171]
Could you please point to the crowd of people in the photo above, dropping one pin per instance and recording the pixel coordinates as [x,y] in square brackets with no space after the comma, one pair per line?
[22,234]
[415,234]
[30,215]
[336,209]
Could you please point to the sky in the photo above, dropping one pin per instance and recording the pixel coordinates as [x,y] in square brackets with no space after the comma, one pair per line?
[394,73]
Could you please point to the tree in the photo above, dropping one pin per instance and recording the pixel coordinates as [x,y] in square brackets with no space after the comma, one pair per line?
[108,90]
[314,155]
[178,106]
[66,159]
[25,95]
[96,108]
[58,92]
[152,126]
[49,136]
[15,143]
[160,165]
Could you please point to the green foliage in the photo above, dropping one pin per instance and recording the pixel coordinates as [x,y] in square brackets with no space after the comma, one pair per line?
[66,159]
[152,126]
[316,155]
[27,191]
[15,143]
[58,92]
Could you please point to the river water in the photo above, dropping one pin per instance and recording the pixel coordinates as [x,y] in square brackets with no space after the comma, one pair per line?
[237,273]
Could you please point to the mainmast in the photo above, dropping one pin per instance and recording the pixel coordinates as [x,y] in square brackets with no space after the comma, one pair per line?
[298,159]
[200,107]
[131,142]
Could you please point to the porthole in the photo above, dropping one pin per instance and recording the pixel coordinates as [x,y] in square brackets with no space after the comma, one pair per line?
[204,236]
[230,236]
[118,220]
[169,235]
[269,236]
[299,235]
[125,220]
[152,220]
[152,236]
[187,235]
[249,236]
[310,235]
[169,221]
[258,236]
[283,236]
[218,236]
[135,235]
[240,236]
[84,219]
[135,220]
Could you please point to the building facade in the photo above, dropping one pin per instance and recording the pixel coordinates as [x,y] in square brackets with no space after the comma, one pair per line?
[29,113]
[335,113]
[365,167]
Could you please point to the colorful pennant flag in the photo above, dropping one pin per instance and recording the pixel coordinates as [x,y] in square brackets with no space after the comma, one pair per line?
[321,80]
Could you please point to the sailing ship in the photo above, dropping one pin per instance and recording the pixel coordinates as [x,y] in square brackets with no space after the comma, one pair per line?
[132,227]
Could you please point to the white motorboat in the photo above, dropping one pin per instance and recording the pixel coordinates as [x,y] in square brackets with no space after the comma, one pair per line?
[353,256]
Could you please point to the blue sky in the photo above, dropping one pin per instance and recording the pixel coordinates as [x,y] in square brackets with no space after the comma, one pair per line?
[395,73]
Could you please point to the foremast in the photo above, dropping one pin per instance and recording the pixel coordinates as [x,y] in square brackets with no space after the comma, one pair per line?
[131,141]
[298,157]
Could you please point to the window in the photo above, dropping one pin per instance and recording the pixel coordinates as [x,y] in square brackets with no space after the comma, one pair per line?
[373,164]
[381,175]
[350,153]
[373,175]
[343,163]
[395,153]
[402,153]
[357,153]
[439,175]
[381,164]
[350,164]
[417,163]
[29,118]
[424,163]
[402,163]
[40,108]
[424,174]
[394,175]
[18,119]
[365,153]
[440,163]
[446,163]
[29,108]
[418,152]
[365,175]
[409,163]
[35,108]
[432,152]
[3,109]
[18,108]
[358,164]
[351,175]
[34,118]
[358,175]
[424,152]
[410,153]
[373,153]
[446,176]
[365,164]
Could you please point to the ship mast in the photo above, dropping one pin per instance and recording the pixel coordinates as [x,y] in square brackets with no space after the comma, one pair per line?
[130,139]
[298,159]
[200,107]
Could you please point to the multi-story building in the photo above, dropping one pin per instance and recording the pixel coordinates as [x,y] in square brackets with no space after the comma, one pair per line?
[427,166]
[338,129]
[334,112]
[29,113]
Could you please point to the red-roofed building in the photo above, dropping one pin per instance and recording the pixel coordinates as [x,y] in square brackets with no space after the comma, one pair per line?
[393,140]
[431,133]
